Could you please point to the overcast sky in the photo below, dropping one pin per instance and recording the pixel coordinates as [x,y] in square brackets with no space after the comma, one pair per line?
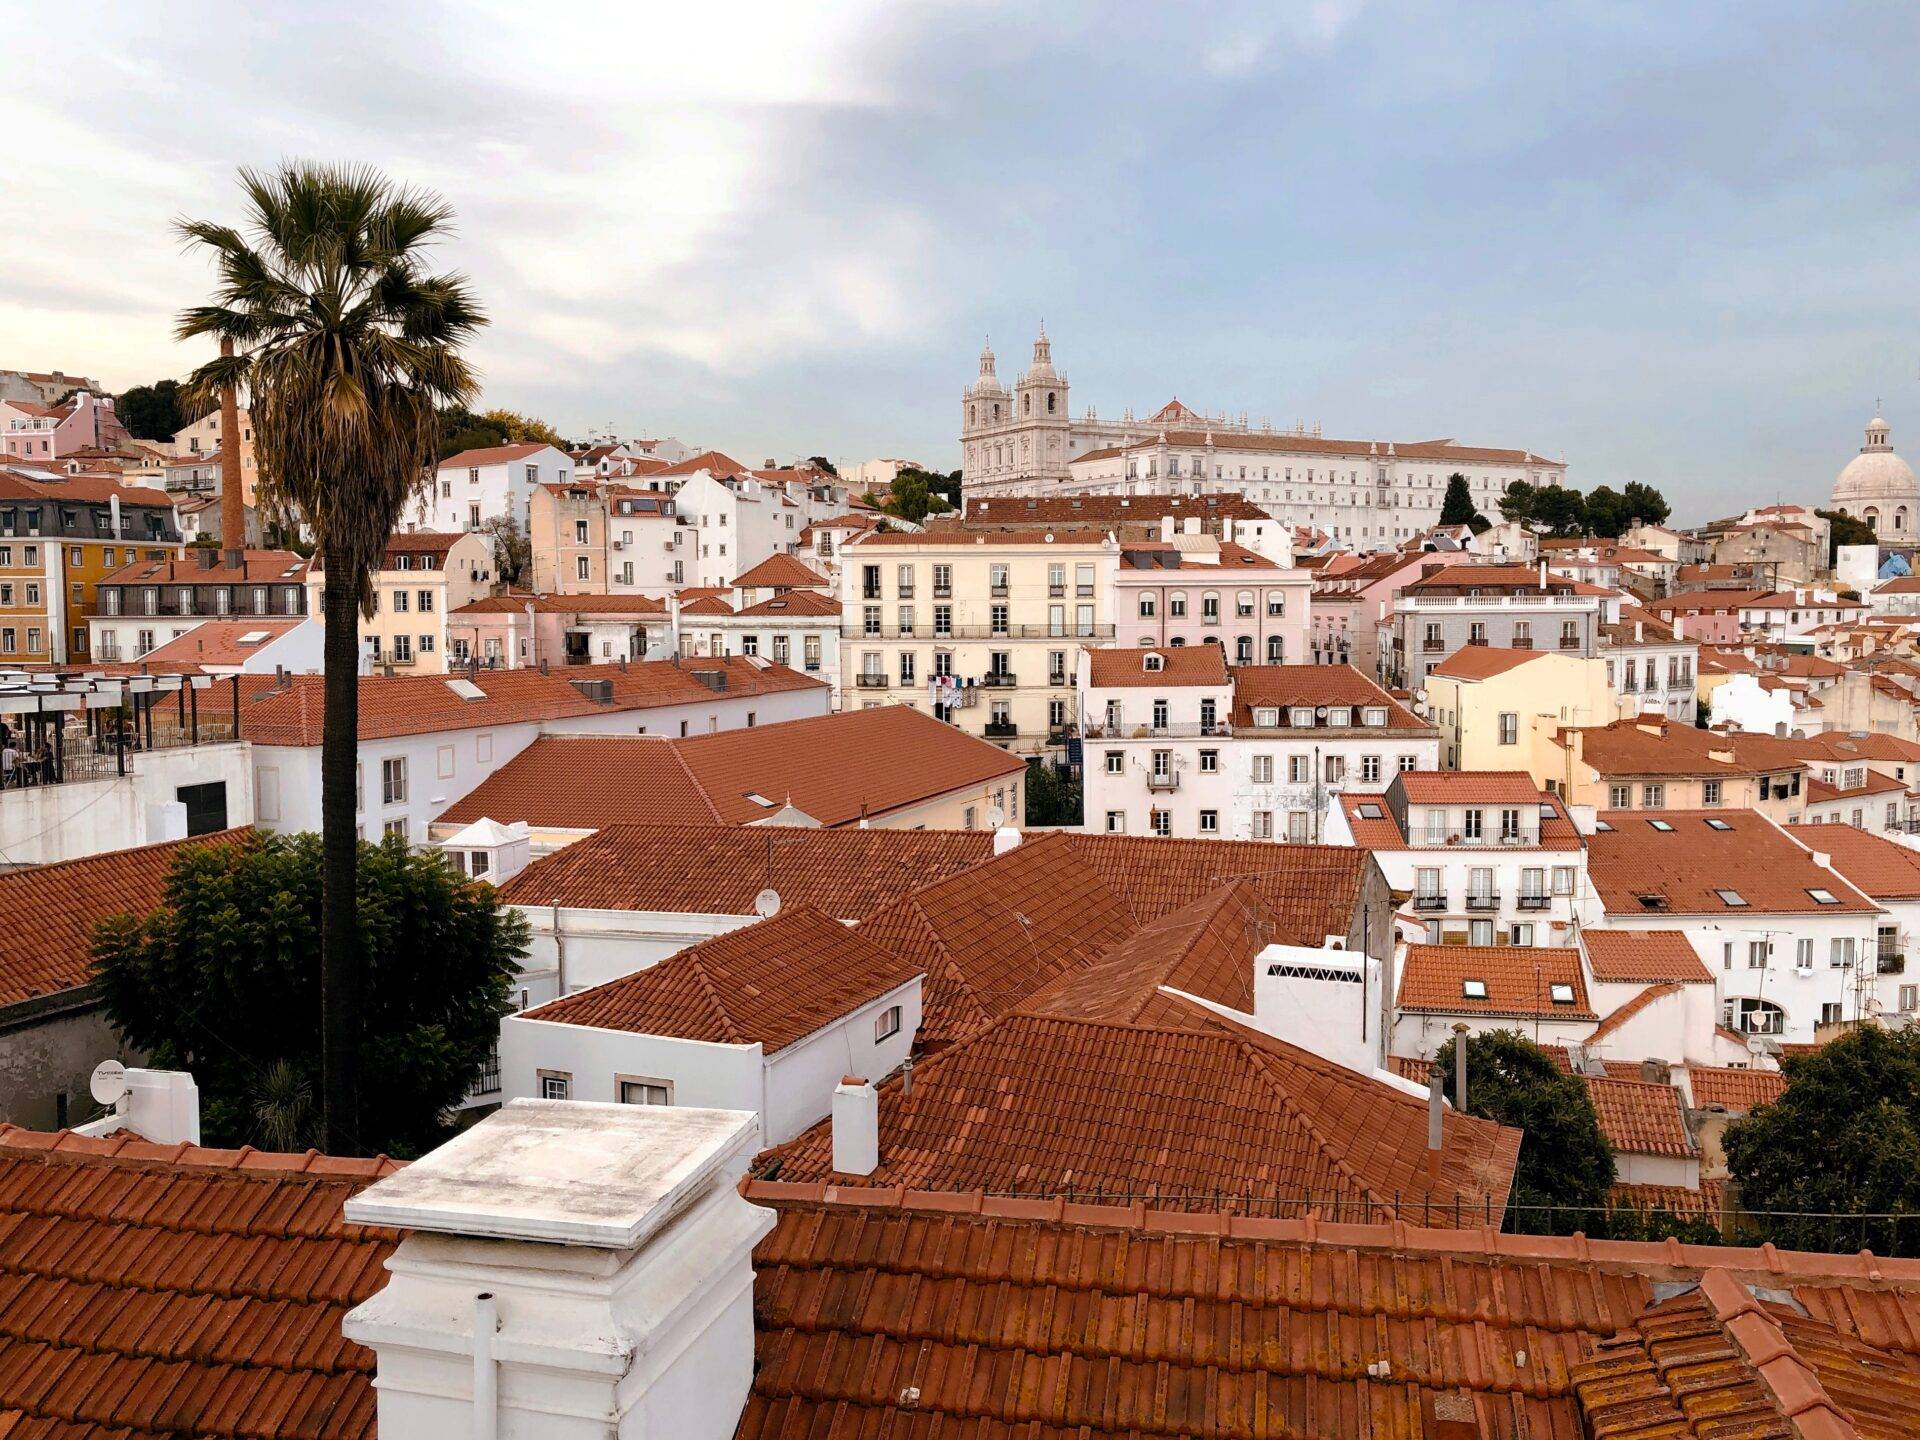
[1676,243]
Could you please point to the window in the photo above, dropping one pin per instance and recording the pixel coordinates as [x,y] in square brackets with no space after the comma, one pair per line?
[1652,797]
[1509,728]
[1209,822]
[1757,954]
[1664,827]
[1841,952]
[1803,956]
[1475,825]
[1162,822]
[886,1023]
[399,602]
[393,780]
[1407,763]
[1209,762]
[1620,797]
[1563,879]
[1909,998]
[641,1092]
[1146,607]
[1116,822]
[1473,989]
[1369,769]
[1710,792]
[1116,762]
[1263,824]
[1732,899]
[395,829]
[1263,769]
[556,1085]
[1823,897]
[1559,994]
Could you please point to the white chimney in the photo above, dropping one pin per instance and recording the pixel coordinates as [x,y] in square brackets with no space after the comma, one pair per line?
[570,1272]
[1004,839]
[856,1127]
[1322,999]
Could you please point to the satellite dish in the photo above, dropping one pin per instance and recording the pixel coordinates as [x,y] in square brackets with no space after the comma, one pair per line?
[767,903]
[109,1082]
[995,817]
[1420,694]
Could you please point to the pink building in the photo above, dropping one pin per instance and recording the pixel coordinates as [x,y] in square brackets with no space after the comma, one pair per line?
[1191,589]
[32,431]
[1352,596]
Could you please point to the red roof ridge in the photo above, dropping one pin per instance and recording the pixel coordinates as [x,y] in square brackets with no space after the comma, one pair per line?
[129,1146]
[698,788]
[1655,1259]
[1792,1384]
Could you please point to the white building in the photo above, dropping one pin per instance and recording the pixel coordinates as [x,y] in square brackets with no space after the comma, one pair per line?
[1488,857]
[736,522]
[1368,494]
[1178,744]
[1790,942]
[426,741]
[472,487]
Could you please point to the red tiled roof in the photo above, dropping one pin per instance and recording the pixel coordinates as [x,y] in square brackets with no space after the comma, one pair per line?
[1721,1360]
[1640,1118]
[1653,745]
[493,455]
[1519,980]
[422,704]
[1172,1114]
[1738,1091]
[1262,686]
[836,768]
[1683,868]
[1490,579]
[1482,662]
[771,984]
[1873,783]
[48,912]
[221,642]
[284,567]
[1206,949]
[710,869]
[780,569]
[1113,667]
[1312,890]
[1081,509]
[1682,1201]
[1470,787]
[1873,864]
[1285,442]
[1001,1318]
[971,535]
[170,1291]
[1642,957]
[793,602]
[712,461]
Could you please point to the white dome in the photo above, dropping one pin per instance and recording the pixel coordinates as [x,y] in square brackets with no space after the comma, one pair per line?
[1876,476]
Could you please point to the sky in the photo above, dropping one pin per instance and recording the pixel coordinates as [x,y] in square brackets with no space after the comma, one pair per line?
[1673,243]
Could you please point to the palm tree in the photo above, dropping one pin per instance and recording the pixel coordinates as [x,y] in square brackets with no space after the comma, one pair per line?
[348,348]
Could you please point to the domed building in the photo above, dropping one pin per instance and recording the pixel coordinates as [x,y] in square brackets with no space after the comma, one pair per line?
[1878,487]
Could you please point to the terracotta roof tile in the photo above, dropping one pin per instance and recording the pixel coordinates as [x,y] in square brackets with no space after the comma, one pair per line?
[1873,864]
[1642,957]
[772,983]
[1264,686]
[421,704]
[583,782]
[793,602]
[1640,1118]
[1683,1201]
[1737,1091]
[1312,890]
[1483,662]
[516,604]
[1113,667]
[1656,746]
[256,566]
[780,569]
[710,869]
[493,455]
[1641,869]
[169,1291]
[1518,981]
[1171,1114]
[48,913]
[219,642]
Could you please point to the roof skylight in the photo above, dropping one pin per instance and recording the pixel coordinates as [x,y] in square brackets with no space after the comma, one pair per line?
[1732,897]
[1474,989]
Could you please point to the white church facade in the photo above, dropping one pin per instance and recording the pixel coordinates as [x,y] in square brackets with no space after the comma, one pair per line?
[1877,486]
[1367,494]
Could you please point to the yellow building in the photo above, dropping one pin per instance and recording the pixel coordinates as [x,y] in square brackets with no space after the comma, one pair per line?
[1500,709]
[59,538]
[423,578]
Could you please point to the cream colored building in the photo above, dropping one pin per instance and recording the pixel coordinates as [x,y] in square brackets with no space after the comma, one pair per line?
[982,628]
[423,578]
[1500,709]
[203,437]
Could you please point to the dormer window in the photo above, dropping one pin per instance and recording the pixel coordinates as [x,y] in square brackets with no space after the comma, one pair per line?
[1268,715]
[1156,662]
[1302,716]
[1375,715]
[1340,716]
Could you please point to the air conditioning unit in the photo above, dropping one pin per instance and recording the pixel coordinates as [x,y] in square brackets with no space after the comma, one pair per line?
[619,544]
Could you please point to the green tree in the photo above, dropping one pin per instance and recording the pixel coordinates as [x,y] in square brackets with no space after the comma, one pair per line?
[1607,512]
[1457,508]
[512,549]
[461,429]
[519,428]
[348,347]
[1843,529]
[1559,509]
[1564,1159]
[908,497]
[152,412]
[1842,1139]
[1646,504]
[224,979]
[1053,795]
[1516,502]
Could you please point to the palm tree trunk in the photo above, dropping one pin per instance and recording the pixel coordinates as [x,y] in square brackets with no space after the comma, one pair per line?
[339,927]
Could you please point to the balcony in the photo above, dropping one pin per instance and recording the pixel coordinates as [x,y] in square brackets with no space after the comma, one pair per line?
[980,632]
[999,592]
[1169,781]
[1483,902]
[943,592]
[1056,592]
[998,680]
[1001,730]
[1534,902]
[1569,642]
[866,681]
[1429,903]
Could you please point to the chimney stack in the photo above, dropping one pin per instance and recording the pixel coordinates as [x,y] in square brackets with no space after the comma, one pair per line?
[570,1271]
[1436,1100]
[1004,839]
[1316,998]
[856,1127]
[1460,1066]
